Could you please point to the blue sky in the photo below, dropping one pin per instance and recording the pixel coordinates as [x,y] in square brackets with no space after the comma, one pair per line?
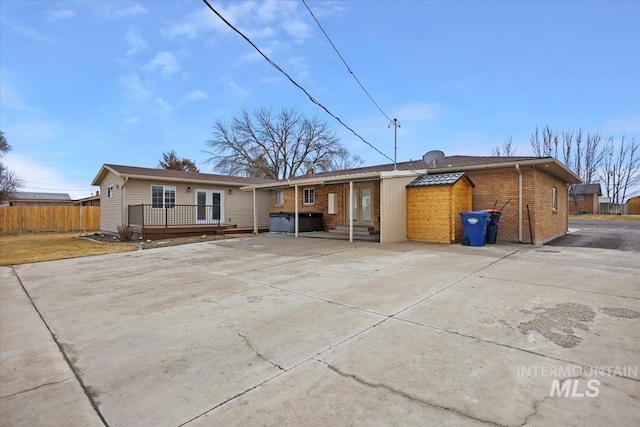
[92,82]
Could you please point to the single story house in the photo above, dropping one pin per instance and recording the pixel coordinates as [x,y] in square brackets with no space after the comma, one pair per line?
[28,198]
[161,203]
[533,190]
[93,200]
[584,199]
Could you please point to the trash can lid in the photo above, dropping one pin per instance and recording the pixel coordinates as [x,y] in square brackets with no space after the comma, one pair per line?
[493,211]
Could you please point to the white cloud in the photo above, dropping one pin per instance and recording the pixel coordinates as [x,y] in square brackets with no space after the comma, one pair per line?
[297,29]
[271,80]
[299,65]
[195,95]
[195,24]
[131,120]
[35,131]
[134,41]
[135,87]
[413,111]
[165,61]
[328,9]
[31,34]
[42,178]
[129,12]
[233,89]
[57,15]
[625,125]
[259,21]
[9,97]
[162,107]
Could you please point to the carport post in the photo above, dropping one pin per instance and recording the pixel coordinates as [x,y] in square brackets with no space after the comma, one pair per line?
[295,219]
[350,211]
[255,214]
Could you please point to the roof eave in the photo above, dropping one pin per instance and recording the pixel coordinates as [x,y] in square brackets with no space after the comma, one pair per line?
[312,181]
[558,169]
[105,168]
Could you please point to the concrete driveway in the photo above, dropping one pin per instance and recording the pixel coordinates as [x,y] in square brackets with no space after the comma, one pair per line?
[271,330]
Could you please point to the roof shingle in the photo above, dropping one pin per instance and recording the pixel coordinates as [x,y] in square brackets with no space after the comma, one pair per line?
[436,179]
[196,176]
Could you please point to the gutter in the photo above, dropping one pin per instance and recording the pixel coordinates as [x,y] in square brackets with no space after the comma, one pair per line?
[519,203]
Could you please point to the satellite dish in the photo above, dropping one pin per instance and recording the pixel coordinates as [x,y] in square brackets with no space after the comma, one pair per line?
[433,157]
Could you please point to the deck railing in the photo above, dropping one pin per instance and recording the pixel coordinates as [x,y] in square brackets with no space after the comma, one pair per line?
[174,215]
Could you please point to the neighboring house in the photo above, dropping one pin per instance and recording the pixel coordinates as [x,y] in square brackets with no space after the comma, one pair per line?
[584,198]
[534,189]
[161,203]
[89,201]
[633,206]
[26,198]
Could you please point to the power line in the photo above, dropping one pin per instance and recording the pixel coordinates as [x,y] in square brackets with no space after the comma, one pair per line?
[277,67]
[345,62]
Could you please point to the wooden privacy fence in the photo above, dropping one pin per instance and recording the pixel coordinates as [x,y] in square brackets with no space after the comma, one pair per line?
[31,219]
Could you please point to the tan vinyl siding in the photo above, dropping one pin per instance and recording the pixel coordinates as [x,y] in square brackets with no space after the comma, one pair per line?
[393,209]
[237,207]
[110,208]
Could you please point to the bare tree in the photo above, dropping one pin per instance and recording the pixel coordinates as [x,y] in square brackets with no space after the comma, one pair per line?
[544,143]
[593,155]
[171,161]
[343,160]
[272,145]
[4,145]
[505,150]
[620,169]
[567,142]
[9,181]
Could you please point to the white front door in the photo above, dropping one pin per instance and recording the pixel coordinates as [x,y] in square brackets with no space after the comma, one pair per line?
[209,207]
[362,212]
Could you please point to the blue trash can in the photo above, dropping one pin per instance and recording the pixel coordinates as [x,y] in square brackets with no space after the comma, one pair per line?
[474,227]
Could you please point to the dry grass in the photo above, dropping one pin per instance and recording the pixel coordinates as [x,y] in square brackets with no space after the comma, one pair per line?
[27,248]
[603,217]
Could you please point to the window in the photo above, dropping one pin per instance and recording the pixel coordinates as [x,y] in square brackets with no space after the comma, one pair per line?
[163,196]
[278,199]
[554,198]
[309,196]
[110,192]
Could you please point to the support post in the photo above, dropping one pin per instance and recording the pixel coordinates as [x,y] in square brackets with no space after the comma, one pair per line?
[296,210]
[519,203]
[255,213]
[350,211]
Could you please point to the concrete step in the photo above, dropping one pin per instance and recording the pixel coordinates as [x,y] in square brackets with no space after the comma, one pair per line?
[343,236]
[359,230]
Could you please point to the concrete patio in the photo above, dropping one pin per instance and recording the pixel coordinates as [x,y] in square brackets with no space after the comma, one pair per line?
[272,330]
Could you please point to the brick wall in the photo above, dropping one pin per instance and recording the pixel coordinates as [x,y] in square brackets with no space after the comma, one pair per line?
[589,204]
[499,186]
[502,185]
[329,221]
[549,223]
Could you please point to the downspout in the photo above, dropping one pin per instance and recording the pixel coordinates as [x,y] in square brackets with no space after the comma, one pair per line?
[123,198]
[255,214]
[295,219]
[519,203]
[350,211]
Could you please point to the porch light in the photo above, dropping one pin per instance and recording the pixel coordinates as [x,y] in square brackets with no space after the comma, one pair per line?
[188,189]
[230,191]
